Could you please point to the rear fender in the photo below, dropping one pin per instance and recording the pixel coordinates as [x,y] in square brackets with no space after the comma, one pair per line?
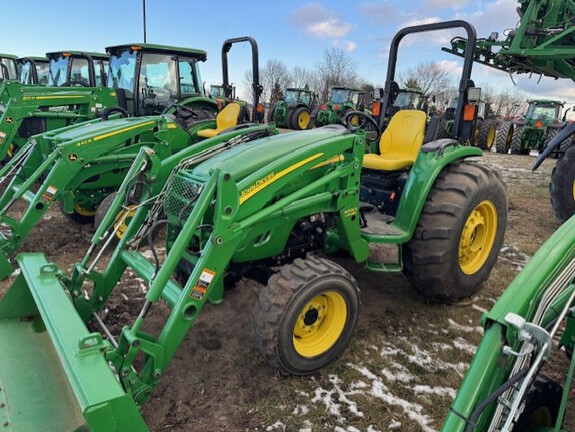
[432,158]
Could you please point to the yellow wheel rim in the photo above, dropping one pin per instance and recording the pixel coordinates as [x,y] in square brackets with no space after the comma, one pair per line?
[303,120]
[477,237]
[320,324]
[573,190]
[83,211]
[491,136]
[122,220]
[354,121]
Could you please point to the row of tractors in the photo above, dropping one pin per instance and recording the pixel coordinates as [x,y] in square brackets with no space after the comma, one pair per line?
[238,199]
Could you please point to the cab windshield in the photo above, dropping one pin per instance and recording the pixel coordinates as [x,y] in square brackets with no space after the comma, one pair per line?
[122,71]
[408,100]
[216,91]
[58,71]
[542,112]
[291,96]
[340,95]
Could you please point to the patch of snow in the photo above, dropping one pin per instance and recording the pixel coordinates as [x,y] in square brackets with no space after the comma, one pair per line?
[300,410]
[394,424]
[463,328]
[401,376]
[463,345]
[478,308]
[276,426]
[440,391]
[307,427]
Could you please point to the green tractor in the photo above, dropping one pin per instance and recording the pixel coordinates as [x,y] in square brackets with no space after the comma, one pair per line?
[81,166]
[78,68]
[268,208]
[342,100]
[34,70]
[296,110]
[485,127]
[533,131]
[508,386]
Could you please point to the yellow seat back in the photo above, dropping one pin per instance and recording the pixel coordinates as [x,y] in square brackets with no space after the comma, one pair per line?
[226,118]
[400,142]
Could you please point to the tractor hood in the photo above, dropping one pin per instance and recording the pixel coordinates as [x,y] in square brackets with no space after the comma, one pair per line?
[245,159]
[104,129]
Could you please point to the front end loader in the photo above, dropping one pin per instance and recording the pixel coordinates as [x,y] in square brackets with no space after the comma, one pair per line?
[82,165]
[266,207]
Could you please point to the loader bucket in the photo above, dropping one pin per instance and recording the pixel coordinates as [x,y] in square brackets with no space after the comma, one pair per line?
[53,373]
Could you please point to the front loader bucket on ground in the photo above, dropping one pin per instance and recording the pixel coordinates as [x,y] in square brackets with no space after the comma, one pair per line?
[53,372]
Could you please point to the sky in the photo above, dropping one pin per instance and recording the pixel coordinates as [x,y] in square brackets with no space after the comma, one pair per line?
[296,32]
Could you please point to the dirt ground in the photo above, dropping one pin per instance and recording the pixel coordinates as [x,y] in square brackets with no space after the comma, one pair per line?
[219,382]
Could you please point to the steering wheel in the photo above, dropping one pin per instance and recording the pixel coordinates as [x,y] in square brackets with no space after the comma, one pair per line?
[186,112]
[75,82]
[364,119]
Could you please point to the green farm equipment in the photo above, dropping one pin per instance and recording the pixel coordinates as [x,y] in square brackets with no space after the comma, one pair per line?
[534,130]
[296,110]
[81,165]
[263,208]
[507,386]
[34,70]
[485,127]
[342,100]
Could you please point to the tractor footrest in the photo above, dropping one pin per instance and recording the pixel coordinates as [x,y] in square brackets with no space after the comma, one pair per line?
[53,370]
[384,258]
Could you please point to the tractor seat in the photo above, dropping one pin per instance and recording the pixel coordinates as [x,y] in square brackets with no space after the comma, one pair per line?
[400,142]
[226,118]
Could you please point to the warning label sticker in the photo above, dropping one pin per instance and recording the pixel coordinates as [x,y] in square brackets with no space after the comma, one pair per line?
[203,284]
[49,194]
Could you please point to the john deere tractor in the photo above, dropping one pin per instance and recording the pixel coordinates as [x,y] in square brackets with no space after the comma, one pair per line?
[82,165]
[341,101]
[508,386]
[272,208]
[295,111]
[485,127]
[86,69]
[34,70]
[534,130]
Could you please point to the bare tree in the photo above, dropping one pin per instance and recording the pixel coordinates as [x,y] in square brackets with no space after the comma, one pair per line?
[430,77]
[509,102]
[274,73]
[336,68]
[302,77]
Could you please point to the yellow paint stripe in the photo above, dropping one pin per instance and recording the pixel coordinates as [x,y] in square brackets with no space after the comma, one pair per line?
[109,134]
[278,176]
[60,97]
[172,126]
[331,160]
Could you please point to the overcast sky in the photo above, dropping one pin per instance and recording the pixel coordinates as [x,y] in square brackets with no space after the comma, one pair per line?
[296,32]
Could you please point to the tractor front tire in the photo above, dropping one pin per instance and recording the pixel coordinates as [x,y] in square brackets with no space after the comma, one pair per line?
[81,215]
[487,134]
[542,405]
[459,233]
[516,142]
[300,118]
[504,137]
[562,185]
[305,316]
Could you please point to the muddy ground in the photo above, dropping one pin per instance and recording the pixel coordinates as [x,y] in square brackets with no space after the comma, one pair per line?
[219,382]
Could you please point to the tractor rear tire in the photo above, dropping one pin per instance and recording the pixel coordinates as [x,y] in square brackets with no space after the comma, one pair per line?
[478,126]
[542,405]
[487,134]
[459,233]
[552,133]
[562,185]
[504,137]
[300,119]
[516,143]
[305,316]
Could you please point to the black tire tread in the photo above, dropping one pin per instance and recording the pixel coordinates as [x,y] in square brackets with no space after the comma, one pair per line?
[516,144]
[484,134]
[431,257]
[561,185]
[501,140]
[274,298]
